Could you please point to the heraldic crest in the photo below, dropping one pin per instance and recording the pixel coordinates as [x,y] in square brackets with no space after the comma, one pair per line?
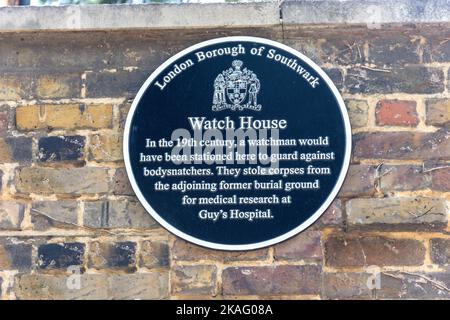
[236,89]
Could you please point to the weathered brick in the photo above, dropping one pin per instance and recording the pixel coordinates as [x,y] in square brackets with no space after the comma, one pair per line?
[440,179]
[333,215]
[144,286]
[117,255]
[357,112]
[95,50]
[186,251]
[199,279]
[14,87]
[60,255]
[370,250]
[392,285]
[438,48]
[272,280]
[414,285]
[62,180]
[55,287]
[305,246]
[402,145]
[15,149]
[4,119]
[121,184]
[346,285]
[105,147]
[411,79]
[396,113]
[405,213]
[15,256]
[387,49]
[117,214]
[339,49]
[64,85]
[360,180]
[99,50]
[61,148]
[440,251]
[69,116]
[152,285]
[114,84]
[308,47]
[438,112]
[49,214]
[11,215]
[154,254]
[123,112]
[448,73]
[336,76]
[402,178]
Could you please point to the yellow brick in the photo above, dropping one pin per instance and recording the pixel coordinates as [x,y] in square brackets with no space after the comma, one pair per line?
[106,147]
[69,116]
[11,88]
[59,86]
[5,151]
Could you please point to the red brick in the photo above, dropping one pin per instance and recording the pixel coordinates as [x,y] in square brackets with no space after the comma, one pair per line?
[185,251]
[440,251]
[272,280]
[402,145]
[440,179]
[402,178]
[396,113]
[343,251]
[333,215]
[305,246]
[121,184]
[346,285]
[360,181]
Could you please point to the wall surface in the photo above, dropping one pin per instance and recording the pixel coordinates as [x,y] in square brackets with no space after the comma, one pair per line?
[65,199]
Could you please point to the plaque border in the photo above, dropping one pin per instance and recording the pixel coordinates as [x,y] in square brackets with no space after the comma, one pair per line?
[257,245]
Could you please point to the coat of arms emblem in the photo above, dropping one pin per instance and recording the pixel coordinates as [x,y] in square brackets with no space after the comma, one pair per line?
[236,89]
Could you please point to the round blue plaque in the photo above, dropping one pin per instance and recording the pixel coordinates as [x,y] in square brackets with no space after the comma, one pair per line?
[237,143]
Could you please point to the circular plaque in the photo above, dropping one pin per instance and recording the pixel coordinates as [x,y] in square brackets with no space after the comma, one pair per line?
[237,143]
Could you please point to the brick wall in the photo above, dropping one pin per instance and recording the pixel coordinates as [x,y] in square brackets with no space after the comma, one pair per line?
[66,201]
